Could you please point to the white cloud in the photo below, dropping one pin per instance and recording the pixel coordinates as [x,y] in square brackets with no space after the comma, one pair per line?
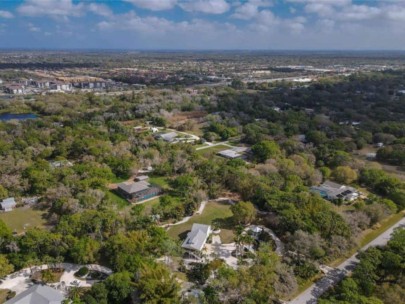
[154,5]
[56,8]
[33,28]
[206,6]
[6,14]
[250,9]
[100,9]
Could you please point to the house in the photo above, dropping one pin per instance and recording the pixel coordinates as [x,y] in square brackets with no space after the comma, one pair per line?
[196,239]
[169,137]
[15,89]
[333,191]
[138,191]
[60,164]
[237,152]
[8,204]
[38,294]
[60,86]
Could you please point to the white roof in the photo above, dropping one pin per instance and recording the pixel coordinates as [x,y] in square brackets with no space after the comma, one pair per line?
[38,294]
[8,202]
[197,237]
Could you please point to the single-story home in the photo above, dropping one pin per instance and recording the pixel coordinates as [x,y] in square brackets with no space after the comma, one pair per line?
[138,191]
[38,294]
[237,152]
[169,137]
[197,238]
[332,191]
[8,204]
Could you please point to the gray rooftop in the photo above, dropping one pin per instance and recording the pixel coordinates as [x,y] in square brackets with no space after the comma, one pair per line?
[133,187]
[168,136]
[197,237]
[8,202]
[38,294]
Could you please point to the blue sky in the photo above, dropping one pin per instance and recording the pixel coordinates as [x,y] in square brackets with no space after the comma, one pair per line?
[203,24]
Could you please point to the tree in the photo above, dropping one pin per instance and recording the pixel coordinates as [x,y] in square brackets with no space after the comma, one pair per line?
[344,175]
[3,192]
[119,287]
[5,266]
[85,251]
[264,150]
[156,284]
[243,212]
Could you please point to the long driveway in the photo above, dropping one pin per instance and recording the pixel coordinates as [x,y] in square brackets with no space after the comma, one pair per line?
[311,295]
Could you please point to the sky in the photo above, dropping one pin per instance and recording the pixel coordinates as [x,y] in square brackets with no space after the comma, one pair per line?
[203,24]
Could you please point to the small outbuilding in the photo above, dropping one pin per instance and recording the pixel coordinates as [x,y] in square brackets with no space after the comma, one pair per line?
[8,204]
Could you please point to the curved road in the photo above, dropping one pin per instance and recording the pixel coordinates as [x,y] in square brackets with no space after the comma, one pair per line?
[311,295]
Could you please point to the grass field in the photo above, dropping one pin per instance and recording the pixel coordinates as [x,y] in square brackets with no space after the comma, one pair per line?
[215,212]
[118,200]
[208,152]
[159,181]
[19,218]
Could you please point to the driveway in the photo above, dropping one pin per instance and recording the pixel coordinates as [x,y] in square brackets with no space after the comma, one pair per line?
[20,281]
[311,295]
[223,251]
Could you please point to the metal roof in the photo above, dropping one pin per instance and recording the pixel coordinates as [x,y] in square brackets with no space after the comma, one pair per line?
[133,187]
[197,237]
[38,294]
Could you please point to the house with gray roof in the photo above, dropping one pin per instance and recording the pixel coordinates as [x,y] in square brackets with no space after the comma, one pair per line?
[138,191]
[8,204]
[197,238]
[38,294]
[169,137]
[236,152]
[333,191]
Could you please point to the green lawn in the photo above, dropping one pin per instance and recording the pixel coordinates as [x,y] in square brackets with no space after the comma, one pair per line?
[160,181]
[208,152]
[218,213]
[118,200]
[149,205]
[23,217]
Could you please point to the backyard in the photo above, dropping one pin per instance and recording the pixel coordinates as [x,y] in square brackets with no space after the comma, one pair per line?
[23,218]
[216,214]
[208,152]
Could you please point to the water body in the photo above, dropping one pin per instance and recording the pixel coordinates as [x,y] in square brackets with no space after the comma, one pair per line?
[11,116]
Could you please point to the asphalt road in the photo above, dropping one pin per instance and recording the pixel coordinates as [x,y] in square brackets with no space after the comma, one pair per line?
[311,295]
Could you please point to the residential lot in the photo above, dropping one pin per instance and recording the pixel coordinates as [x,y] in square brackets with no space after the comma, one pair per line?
[216,214]
[23,218]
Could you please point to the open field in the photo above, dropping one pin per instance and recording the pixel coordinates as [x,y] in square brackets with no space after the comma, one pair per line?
[216,214]
[21,218]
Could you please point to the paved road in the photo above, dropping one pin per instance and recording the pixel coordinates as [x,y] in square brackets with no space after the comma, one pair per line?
[311,295]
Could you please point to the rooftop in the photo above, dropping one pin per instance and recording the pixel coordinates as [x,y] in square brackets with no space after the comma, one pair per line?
[133,187]
[38,294]
[197,237]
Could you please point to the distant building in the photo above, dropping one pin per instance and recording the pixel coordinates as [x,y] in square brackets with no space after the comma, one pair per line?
[168,137]
[16,89]
[197,238]
[138,191]
[333,191]
[38,294]
[60,86]
[8,204]
[237,152]
[60,164]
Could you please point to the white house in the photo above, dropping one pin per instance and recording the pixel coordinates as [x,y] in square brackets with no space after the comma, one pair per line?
[8,204]
[196,239]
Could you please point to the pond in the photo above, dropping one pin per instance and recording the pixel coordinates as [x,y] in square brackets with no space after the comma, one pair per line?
[11,116]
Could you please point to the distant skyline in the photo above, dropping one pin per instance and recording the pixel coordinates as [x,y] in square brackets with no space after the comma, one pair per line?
[203,24]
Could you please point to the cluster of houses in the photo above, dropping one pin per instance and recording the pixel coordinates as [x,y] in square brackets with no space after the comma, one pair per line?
[333,191]
[29,86]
